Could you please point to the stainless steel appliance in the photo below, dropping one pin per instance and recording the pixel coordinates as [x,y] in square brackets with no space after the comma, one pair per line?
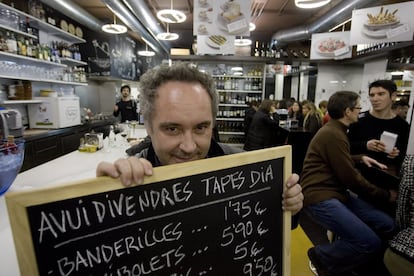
[10,123]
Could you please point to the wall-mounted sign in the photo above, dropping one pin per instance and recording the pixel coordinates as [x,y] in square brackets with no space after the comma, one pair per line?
[389,23]
[221,17]
[333,45]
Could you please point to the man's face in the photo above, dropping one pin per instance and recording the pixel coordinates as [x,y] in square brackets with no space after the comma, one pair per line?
[125,92]
[380,99]
[354,114]
[181,127]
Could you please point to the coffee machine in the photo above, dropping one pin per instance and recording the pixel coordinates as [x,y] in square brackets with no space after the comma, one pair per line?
[10,123]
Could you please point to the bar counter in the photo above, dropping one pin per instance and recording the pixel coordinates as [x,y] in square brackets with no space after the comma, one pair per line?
[71,167]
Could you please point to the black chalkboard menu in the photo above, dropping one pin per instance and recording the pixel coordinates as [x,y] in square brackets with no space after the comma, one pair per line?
[219,216]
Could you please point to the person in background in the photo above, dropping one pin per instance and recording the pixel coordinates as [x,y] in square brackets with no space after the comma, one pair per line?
[295,113]
[365,135]
[248,116]
[399,256]
[328,176]
[400,108]
[264,128]
[179,105]
[323,107]
[127,107]
[312,121]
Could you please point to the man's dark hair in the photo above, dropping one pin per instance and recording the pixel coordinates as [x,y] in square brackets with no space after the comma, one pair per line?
[340,101]
[388,85]
[125,86]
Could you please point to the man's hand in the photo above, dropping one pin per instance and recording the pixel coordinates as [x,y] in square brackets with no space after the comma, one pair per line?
[372,162]
[394,153]
[379,146]
[375,145]
[130,171]
[292,196]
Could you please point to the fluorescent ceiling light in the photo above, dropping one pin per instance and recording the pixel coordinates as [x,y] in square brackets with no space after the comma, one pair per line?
[397,73]
[167,36]
[237,68]
[311,4]
[146,52]
[171,16]
[114,28]
[252,26]
[240,42]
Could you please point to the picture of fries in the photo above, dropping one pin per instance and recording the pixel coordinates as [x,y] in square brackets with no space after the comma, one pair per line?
[382,17]
[218,39]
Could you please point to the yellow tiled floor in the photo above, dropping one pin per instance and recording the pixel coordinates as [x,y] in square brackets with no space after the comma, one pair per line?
[299,262]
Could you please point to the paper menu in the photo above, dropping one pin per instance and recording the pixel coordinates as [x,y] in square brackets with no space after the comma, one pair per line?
[389,139]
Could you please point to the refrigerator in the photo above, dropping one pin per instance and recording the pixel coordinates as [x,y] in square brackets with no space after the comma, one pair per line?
[55,112]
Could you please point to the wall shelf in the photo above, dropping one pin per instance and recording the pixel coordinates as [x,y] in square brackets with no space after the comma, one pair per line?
[43,80]
[46,27]
[17,31]
[29,60]
[21,102]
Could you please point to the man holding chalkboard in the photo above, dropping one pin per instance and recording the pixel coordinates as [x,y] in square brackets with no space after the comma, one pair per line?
[328,176]
[179,105]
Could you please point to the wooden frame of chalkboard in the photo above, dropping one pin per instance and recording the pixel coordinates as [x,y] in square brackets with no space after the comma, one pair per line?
[217,216]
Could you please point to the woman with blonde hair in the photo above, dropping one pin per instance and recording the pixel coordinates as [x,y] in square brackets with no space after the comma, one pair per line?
[312,121]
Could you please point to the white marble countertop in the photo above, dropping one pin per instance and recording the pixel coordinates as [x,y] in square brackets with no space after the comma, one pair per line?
[68,168]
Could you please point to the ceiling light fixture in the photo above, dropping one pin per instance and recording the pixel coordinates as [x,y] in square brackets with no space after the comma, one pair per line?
[114,28]
[252,27]
[146,52]
[171,15]
[240,42]
[167,35]
[311,4]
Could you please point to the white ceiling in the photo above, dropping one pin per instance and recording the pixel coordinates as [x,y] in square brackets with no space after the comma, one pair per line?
[276,15]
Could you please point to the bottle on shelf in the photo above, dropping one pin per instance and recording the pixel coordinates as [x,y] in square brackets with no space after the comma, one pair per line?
[11,42]
[263,50]
[256,49]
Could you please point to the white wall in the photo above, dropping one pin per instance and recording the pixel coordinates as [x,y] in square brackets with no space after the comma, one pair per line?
[373,70]
[332,78]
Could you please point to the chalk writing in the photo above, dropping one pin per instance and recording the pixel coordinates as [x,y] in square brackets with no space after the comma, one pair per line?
[225,222]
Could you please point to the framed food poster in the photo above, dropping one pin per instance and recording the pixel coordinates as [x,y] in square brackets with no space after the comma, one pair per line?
[221,17]
[333,45]
[388,23]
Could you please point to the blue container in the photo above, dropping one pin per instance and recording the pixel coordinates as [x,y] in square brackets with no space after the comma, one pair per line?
[11,160]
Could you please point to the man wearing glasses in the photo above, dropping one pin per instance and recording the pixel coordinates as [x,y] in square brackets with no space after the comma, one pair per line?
[328,176]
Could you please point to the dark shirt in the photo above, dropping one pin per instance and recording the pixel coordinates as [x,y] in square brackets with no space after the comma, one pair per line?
[248,117]
[369,127]
[128,110]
